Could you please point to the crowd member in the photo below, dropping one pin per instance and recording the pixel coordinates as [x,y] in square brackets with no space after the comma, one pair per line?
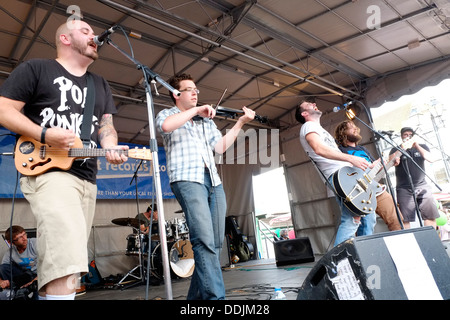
[189,144]
[20,261]
[324,152]
[44,99]
[415,189]
[348,136]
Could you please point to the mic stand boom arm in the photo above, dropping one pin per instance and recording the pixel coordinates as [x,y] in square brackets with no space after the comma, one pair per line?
[155,163]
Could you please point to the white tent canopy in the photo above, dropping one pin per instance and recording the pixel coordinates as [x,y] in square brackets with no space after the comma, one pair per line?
[269,54]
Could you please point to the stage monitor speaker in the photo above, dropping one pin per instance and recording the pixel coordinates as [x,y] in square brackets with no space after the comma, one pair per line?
[293,251]
[399,265]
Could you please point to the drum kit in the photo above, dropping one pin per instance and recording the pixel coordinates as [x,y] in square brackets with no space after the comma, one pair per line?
[181,255]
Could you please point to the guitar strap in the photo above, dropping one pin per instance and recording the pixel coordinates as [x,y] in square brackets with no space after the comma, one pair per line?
[330,186]
[88,112]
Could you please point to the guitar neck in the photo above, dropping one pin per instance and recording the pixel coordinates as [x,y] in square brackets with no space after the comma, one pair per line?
[388,165]
[86,153]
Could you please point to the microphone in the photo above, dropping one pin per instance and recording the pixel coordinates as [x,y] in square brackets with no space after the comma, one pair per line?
[389,133]
[101,38]
[343,107]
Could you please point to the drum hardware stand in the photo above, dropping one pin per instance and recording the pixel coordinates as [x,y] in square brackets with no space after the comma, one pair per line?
[147,75]
[141,277]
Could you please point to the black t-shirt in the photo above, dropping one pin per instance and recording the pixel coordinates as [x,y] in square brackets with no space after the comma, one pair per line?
[417,175]
[55,98]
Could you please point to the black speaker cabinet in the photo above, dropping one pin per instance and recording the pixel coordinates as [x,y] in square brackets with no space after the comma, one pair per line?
[400,265]
[293,251]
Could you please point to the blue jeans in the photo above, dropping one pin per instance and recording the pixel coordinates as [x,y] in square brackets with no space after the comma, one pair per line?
[205,208]
[367,225]
[349,227]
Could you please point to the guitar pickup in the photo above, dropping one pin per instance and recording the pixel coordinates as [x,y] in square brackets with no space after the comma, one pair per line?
[362,184]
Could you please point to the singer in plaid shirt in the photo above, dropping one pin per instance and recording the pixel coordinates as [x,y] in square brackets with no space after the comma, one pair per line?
[189,142]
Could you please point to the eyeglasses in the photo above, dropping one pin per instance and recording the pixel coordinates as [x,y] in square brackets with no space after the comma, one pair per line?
[21,236]
[190,89]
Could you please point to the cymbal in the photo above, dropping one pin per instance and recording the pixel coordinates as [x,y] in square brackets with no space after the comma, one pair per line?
[127,222]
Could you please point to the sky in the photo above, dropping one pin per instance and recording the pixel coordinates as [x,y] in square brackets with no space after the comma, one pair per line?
[270,192]
[437,100]
[439,96]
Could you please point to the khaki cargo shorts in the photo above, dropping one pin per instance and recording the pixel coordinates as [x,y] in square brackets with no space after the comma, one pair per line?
[64,208]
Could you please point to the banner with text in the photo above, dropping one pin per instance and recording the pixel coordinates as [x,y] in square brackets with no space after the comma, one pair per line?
[122,181]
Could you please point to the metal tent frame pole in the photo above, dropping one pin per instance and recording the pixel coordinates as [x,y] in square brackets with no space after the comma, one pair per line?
[149,76]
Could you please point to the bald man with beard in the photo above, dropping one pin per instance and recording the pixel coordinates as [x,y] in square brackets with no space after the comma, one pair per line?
[44,99]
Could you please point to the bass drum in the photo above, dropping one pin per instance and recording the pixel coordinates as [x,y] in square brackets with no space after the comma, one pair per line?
[181,259]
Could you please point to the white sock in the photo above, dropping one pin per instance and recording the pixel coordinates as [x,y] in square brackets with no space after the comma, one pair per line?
[42,297]
[70,296]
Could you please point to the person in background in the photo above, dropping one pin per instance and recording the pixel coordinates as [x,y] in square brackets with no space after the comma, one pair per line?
[146,217]
[408,191]
[20,261]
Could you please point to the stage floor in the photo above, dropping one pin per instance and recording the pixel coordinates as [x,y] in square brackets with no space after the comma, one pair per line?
[251,280]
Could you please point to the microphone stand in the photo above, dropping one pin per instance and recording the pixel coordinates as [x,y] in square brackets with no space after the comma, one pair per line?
[148,77]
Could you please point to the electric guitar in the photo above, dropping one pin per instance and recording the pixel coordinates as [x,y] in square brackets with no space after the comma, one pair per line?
[360,188]
[33,158]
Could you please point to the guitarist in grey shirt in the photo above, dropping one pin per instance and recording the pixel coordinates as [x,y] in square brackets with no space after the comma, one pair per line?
[322,149]
[347,136]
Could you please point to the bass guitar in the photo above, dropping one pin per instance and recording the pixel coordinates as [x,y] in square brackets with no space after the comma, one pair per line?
[33,158]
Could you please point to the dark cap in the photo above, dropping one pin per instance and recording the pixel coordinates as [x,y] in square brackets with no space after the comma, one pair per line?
[406,129]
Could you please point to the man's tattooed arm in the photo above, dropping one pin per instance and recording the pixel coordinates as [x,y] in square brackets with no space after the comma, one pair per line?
[107,134]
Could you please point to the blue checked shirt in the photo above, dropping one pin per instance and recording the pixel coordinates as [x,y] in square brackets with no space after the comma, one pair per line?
[189,149]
